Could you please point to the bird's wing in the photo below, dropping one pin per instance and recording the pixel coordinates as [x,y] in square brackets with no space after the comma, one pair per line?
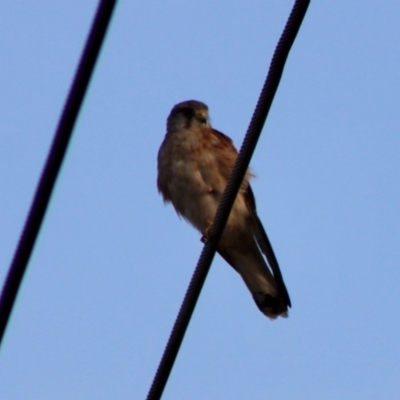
[226,153]
[227,158]
[264,244]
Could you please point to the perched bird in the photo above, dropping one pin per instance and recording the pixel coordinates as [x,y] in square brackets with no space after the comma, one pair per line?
[194,164]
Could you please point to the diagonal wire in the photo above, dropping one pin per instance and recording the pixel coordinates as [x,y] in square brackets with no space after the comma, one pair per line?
[250,141]
[54,160]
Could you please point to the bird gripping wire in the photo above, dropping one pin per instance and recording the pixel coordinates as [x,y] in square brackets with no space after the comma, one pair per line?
[221,217]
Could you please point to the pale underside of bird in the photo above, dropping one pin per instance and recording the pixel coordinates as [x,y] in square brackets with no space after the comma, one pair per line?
[194,164]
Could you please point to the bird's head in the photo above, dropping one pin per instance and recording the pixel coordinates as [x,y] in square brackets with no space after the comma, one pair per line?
[188,114]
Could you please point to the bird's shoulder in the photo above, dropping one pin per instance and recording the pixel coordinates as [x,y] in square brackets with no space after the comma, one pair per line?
[222,141]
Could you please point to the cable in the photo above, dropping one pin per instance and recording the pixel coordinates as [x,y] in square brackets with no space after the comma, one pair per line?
[250,141]
[54,160]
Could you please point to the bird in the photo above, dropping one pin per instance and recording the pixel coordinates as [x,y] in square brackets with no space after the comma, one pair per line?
[194,163]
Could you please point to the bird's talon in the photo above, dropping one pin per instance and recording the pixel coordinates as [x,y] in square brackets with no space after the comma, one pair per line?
[206,234]
[210,190]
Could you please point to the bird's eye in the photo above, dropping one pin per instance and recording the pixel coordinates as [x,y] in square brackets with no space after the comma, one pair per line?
[187,112]
[202,119]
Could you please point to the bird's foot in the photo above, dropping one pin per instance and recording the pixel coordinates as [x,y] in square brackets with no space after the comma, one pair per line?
[206,234]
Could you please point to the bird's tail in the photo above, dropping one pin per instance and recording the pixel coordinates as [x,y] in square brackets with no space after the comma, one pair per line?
[269,295]
[254,259]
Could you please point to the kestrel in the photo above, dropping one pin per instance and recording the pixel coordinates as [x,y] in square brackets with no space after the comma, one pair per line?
[194,164]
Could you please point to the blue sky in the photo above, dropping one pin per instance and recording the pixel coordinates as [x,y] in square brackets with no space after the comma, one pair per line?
[112,262]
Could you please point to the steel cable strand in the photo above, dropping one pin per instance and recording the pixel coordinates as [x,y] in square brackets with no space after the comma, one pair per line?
[199,276]
[54,161]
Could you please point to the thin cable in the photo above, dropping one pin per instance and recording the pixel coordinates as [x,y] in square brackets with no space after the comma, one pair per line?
[250,141]
[54,160]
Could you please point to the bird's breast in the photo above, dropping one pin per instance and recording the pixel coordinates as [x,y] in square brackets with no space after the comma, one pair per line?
[191,170]
[191,191]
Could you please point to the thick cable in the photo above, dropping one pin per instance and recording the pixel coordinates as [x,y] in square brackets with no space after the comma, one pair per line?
[54,161]
[221,217]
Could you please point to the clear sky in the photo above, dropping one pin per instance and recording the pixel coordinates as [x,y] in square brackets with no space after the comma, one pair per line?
[112,262]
